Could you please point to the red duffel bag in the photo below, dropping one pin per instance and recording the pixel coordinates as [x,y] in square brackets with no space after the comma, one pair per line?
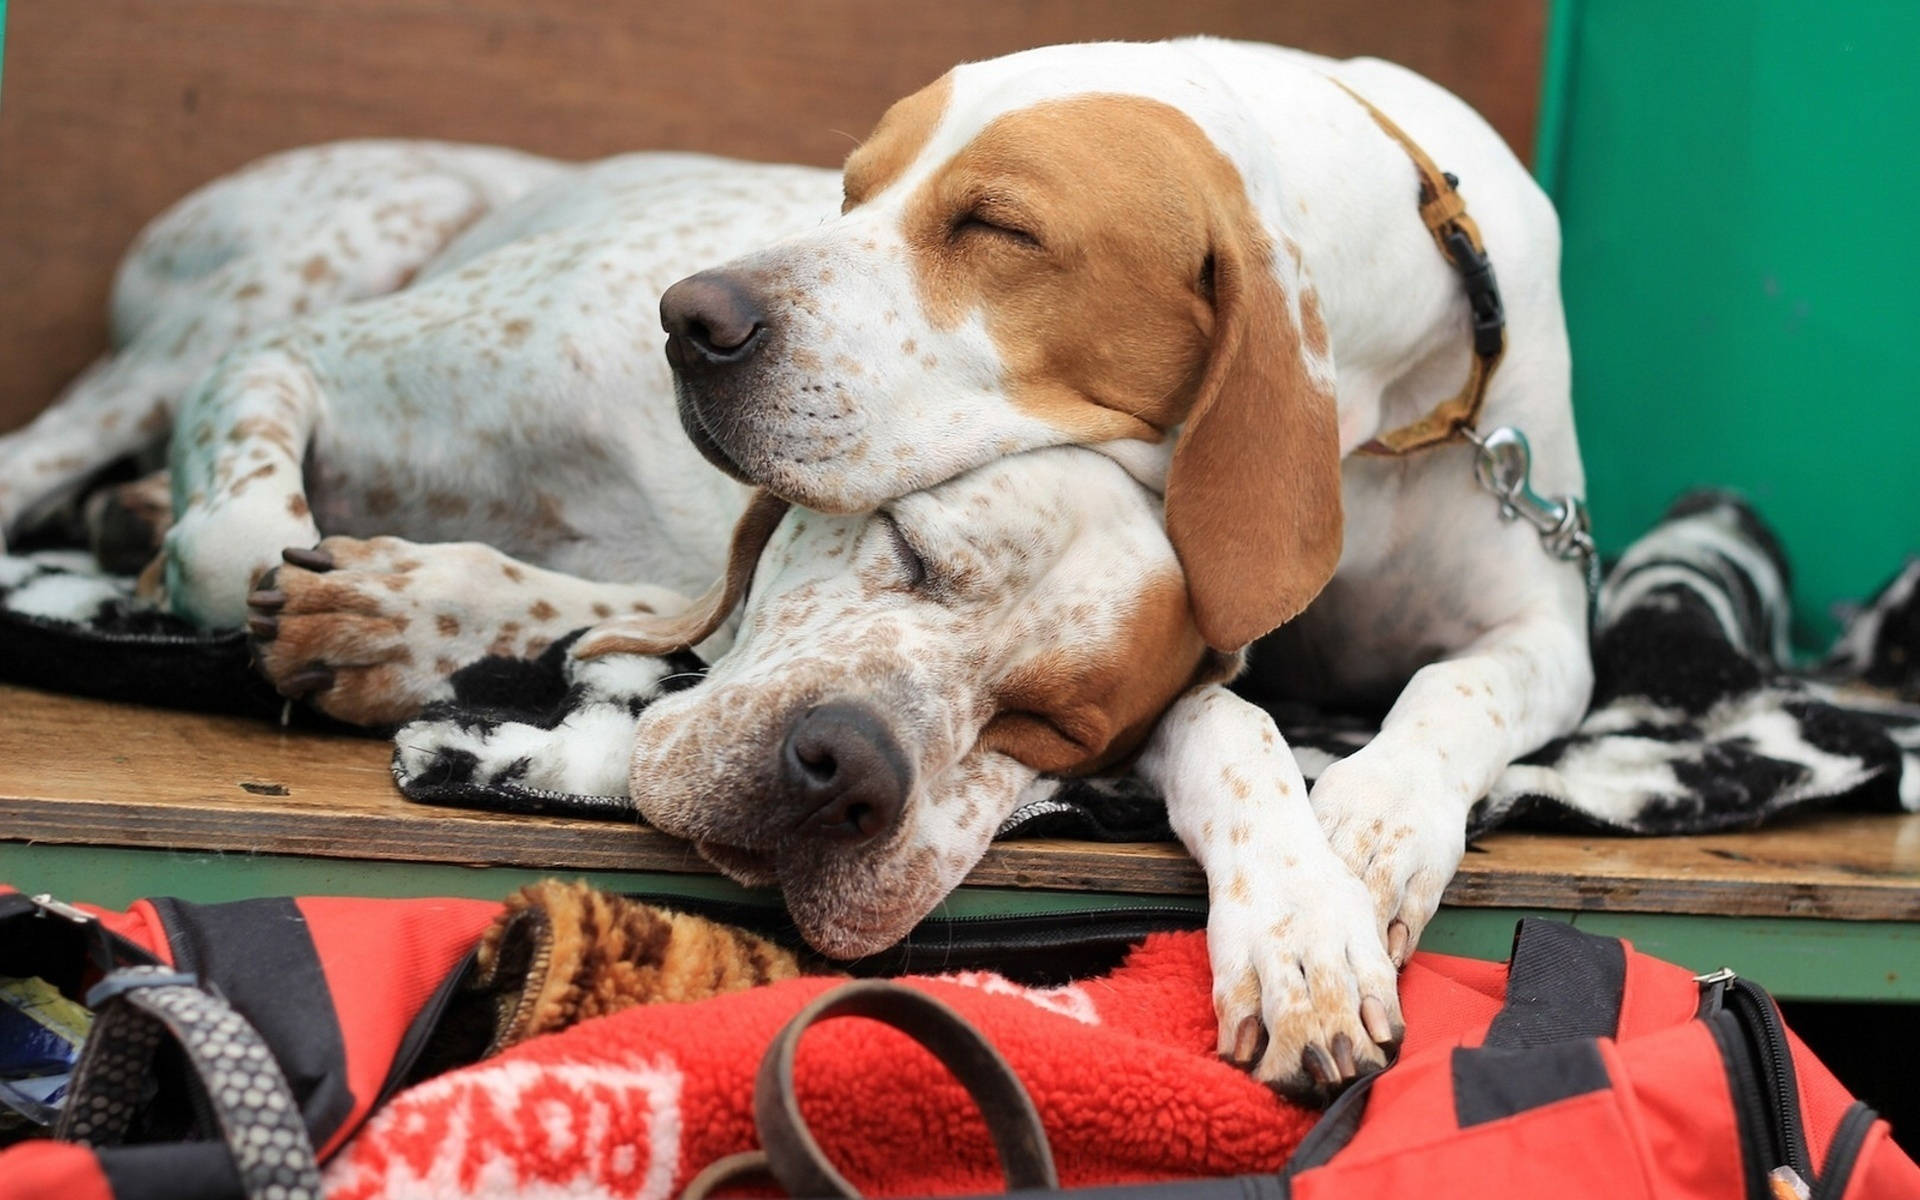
[238,1046]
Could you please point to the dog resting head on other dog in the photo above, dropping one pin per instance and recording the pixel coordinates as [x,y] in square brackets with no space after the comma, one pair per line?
[898,677]
[1036,251]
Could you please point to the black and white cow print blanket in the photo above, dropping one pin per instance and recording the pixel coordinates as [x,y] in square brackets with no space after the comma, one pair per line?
[1698,722]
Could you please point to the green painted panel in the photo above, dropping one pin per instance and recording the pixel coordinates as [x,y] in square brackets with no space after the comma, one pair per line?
[1795,958]
[116,877]
[1735,181]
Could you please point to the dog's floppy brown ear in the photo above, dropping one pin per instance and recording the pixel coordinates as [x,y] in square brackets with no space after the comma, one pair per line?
[646,633]
[1253,494]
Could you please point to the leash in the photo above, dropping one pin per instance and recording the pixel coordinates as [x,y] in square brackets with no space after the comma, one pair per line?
[795,1160]
[1504,461]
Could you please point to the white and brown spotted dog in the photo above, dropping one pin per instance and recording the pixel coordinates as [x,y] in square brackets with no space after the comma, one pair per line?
[1089,245]
[1207,258]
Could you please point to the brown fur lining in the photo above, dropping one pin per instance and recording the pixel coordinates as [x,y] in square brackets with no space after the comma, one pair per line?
[563,953]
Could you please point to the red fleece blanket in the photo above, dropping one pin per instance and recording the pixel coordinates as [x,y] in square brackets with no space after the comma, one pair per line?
[1121,1067]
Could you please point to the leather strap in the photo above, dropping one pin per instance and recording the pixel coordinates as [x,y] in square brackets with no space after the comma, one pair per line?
[792,1156]
[1444,212]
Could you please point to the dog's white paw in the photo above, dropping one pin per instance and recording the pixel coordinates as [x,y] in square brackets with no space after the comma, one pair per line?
[213,553]
[1402,834]
[1307,998]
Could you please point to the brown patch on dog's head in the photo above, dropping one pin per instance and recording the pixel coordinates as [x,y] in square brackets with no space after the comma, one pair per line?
[903,132]
[1128,287]
[1079,229]
[1071,714]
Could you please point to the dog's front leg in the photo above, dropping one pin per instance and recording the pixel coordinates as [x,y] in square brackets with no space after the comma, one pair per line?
[1302,984]
[238,462]
[371,631]
[1396,810]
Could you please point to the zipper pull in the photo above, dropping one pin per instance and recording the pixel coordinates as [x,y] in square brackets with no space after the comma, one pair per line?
[1784,1183]
[61,908]
[1713,989]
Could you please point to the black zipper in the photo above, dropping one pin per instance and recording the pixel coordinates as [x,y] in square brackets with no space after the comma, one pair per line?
[1760,1065]
[1843,1153]
[1760,1020]
[1037,949]
[1760,1148]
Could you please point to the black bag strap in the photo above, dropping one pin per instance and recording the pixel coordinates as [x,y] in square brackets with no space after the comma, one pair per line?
[795,1160]
[1562,985]
[137,1008]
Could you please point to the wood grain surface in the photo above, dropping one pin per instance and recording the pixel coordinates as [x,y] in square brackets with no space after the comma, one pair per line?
[113,109]
[81,771]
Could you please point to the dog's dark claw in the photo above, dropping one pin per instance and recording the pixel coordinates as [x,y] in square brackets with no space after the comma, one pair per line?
[263,629]
[1343,1056]
[267,600]
[311,560]
[1318,1065]
[306,682]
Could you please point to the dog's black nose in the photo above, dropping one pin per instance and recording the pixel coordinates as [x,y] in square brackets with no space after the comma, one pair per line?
[844,774]
[711,319]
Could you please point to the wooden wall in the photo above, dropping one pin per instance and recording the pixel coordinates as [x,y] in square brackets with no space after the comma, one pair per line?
[111,109]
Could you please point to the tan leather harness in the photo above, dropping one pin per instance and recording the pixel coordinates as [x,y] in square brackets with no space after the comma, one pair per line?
[1504,460]
[1444,212]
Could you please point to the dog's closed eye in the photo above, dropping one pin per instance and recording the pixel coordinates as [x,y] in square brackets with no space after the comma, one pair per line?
[912,565]
[994,217]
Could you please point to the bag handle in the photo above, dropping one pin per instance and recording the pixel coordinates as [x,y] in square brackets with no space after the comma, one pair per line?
[1562,985]
[794,1158]
[139,1007]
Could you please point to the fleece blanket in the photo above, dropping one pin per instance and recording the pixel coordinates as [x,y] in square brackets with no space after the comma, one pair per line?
[1121,1068]
[1699,721]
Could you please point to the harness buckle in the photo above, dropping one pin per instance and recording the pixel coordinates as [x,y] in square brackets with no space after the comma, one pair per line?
[1483,292]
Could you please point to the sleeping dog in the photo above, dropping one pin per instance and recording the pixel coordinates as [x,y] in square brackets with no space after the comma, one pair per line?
[885,683]
[1250,270]
[1237,269]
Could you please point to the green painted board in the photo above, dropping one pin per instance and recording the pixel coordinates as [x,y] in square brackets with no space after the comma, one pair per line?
[1736,181]
[1798,959]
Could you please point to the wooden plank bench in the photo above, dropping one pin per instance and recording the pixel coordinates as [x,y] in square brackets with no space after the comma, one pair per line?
[109,802]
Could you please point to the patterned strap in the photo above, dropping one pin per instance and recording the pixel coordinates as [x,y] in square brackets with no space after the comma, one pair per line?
[138,1008]
[1444,212]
